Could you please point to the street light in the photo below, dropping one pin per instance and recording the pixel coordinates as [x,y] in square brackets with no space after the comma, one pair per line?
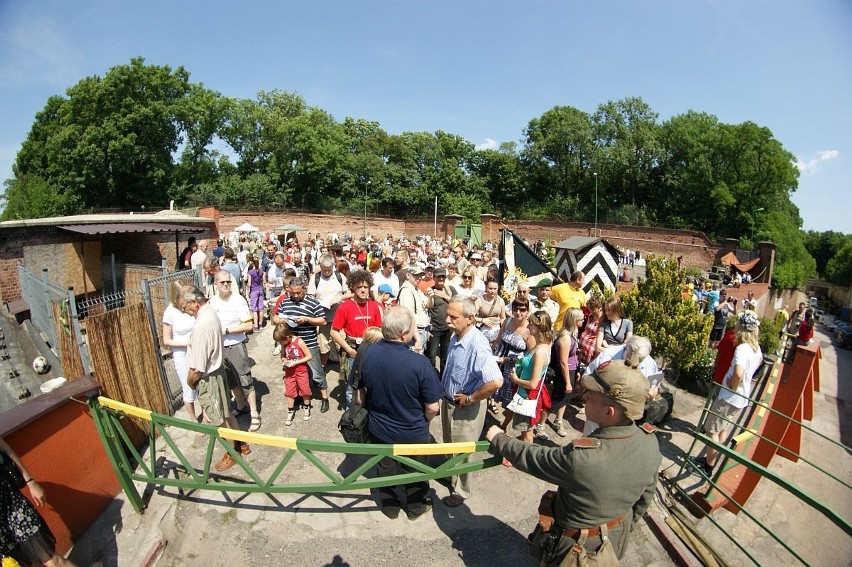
[596,203]
[754,222]
[366,188]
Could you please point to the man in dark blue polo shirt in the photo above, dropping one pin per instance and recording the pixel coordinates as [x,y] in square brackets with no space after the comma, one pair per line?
[401,391]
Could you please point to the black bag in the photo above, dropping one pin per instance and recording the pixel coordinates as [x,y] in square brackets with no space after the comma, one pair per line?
[353,424]
[10,470]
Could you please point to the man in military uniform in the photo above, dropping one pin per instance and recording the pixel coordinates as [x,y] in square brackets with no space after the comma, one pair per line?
[606,480]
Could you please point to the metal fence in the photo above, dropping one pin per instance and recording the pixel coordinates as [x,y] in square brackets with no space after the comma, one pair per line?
[157,294]
[752,533]
[38,291]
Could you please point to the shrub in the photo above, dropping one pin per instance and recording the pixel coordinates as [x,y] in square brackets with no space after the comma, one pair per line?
[676,329]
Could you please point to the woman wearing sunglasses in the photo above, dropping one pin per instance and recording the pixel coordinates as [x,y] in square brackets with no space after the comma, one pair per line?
[514,341]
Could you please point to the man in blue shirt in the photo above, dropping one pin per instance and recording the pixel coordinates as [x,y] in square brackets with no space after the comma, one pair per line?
[471,376]
[401,391]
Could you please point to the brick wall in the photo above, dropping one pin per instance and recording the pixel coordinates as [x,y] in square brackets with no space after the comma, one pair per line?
[694,246]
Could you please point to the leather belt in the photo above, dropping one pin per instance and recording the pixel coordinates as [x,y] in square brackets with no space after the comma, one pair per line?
[574,533]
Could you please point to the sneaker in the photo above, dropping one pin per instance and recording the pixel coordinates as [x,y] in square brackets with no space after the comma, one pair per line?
[306,415]
[276,351]
[324,405]
[560,429]
[291,415]
[539,431]
[255,423]
[226,463]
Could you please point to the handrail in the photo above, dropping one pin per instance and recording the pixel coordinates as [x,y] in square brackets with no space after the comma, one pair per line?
[130,465]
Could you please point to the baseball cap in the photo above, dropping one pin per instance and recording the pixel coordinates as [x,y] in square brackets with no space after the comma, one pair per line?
[440,272]
[385,288]
[546,282]
[476,256]
[622,384]
[415,270]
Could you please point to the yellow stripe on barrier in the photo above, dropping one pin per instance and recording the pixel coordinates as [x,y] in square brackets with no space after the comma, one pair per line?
[434,448]
[125,408]
[743,437]
[257,438]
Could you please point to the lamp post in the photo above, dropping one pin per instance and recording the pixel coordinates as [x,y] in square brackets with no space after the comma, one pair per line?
[366,188]
[754,222]
[596,203]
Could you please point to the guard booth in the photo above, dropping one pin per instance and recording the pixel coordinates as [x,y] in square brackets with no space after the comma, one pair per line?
[596,257]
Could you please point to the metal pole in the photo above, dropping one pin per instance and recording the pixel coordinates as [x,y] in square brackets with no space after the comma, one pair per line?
[366,188]
[596,203]
[114,280]
[435,230]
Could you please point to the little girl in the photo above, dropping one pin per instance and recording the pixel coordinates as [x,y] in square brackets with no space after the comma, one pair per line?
[295,354]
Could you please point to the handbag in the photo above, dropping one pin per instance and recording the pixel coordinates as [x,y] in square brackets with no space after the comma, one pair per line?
[353,424]
[10,471]
[521,404]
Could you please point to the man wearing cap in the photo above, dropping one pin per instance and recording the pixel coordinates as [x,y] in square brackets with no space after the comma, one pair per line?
[542,301]
[438,299]
[414,300]
[604,481]
[385,296]
[304,315]
[219,251]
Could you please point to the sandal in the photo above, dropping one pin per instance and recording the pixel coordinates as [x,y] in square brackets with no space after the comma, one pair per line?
[506,463]
[255,423]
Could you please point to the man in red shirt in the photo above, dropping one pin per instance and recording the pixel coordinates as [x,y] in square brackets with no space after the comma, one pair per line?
[353,316]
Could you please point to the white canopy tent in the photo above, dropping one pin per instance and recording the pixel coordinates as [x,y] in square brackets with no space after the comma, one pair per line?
[246,227]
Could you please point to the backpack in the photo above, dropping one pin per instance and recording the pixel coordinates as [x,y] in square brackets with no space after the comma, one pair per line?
[318,275]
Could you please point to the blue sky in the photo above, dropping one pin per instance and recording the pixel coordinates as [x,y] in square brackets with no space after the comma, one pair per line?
[480,69]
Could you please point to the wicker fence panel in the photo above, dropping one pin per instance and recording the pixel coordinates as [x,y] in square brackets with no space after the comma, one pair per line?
[69,352]
[125,362]
[134,274]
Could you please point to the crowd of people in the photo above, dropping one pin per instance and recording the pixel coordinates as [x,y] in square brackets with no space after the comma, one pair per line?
[419,329]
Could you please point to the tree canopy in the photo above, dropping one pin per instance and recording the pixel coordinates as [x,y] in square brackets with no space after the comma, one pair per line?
[143,134]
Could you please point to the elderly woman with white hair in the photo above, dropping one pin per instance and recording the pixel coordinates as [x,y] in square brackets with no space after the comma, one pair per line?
[636,353]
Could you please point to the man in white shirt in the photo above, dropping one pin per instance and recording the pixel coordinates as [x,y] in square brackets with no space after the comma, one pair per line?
[197,258]
[385,276]
[235,317]
[329,288]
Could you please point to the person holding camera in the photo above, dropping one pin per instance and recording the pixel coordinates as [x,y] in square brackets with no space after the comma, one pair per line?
[723,309]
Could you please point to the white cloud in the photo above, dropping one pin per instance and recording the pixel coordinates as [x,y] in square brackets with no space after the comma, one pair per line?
[813,165]
[488,144]
[37,51]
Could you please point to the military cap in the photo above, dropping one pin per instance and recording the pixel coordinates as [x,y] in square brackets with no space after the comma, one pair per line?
[622,384]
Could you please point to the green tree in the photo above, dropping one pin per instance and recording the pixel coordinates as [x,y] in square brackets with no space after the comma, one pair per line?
[559,157]
[109,142]
[31,196]
[838,270]
[793,264]
[626,132]
[676,329]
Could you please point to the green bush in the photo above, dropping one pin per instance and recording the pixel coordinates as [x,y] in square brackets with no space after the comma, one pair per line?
[768,338]
[678,332]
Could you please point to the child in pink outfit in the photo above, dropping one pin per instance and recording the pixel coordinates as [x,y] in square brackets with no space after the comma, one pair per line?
[295,356]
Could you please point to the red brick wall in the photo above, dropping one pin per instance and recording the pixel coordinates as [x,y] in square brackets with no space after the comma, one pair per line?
[694,246]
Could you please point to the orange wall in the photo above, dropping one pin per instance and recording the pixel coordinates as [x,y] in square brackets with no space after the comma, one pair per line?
[62,450]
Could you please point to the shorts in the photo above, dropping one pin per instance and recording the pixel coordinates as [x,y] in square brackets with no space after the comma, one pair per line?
[723,421]
[238,367]
[717,334]
[297,384]
[324,339]
[213,396]
[257,302]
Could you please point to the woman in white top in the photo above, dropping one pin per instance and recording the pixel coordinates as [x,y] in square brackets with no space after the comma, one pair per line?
[177,326]
[467,288]
[490,311]
[737,385]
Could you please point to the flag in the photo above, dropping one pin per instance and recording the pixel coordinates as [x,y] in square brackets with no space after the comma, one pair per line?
[514,253]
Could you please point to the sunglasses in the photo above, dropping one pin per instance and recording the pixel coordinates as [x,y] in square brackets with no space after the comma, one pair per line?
[521,309]
[467,277]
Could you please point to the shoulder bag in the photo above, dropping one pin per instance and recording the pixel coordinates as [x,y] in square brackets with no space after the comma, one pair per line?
[521,404]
